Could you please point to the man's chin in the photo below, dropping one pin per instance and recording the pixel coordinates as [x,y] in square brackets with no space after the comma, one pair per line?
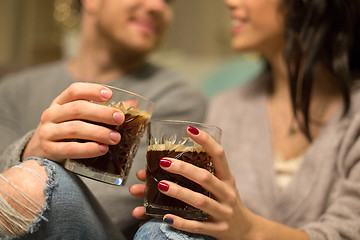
[143,48]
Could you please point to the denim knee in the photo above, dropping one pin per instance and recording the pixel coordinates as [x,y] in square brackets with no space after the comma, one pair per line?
[156,229]
[70,211]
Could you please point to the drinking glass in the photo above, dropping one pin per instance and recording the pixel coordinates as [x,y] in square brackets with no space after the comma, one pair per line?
[114,166]
[170,139]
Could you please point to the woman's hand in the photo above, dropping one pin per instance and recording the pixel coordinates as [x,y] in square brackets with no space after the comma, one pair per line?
[138,190]
[228,217]
[61,122]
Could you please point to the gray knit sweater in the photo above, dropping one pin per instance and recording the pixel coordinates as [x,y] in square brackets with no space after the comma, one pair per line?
[323,197]
[25,95]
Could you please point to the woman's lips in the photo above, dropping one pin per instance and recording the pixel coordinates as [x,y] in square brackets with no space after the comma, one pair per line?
[237,25]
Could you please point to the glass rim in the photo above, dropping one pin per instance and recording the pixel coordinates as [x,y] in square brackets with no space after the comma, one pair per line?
[126,91]
[187,122]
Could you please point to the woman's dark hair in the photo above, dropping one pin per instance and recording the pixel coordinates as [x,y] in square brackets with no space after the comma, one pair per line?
[78,5]
[325,31]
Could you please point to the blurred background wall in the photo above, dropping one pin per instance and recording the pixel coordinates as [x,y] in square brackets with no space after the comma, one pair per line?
[198,44]
[28,33]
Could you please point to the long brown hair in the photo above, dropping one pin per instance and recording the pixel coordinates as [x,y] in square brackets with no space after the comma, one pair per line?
[325,31]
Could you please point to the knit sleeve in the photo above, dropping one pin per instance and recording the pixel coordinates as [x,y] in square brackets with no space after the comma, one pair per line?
[341,219]
[12,154]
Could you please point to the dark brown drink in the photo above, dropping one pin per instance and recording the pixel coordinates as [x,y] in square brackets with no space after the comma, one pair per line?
[114,166]
[158,204]
[118,160]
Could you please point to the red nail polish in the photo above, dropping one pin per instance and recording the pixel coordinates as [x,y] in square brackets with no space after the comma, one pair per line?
[163,186]
[193,130]
[165,162]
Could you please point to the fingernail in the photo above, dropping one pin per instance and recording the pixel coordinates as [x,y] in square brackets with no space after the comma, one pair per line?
[193,130]
[105,93]
[115,136]
[118,117]
[168,220]
[163,186]
[103,148]
[165,162]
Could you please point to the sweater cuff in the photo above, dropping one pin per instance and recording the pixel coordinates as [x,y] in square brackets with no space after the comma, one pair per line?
[12,155]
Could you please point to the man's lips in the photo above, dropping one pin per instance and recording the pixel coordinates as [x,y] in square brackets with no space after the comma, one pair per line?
[146,26]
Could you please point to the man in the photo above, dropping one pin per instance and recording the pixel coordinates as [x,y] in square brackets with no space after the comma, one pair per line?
[39,107]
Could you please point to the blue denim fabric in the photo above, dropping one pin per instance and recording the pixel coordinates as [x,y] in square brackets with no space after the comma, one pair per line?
[71,211]
[155,229]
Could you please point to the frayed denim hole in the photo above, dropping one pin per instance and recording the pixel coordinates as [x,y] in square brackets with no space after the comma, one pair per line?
[51,183]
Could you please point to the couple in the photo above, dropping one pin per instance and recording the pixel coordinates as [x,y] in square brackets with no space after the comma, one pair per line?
[291,169]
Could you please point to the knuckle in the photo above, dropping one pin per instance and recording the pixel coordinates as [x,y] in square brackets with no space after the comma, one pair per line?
[201,202]
[196,228]
[99,132]
[204,140]
[43,132]
[208,138]
[175,191]
[45,115]
[232,196]
[180,224]
[102,135]
[69,149]
[232,180]
[223,228]
[204,176]
[77,108]
[72,89]
[180,166]
[228,213]
[73,127]
[89,150]
[219,151]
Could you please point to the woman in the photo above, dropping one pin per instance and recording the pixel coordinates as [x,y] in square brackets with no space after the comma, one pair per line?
[291,136]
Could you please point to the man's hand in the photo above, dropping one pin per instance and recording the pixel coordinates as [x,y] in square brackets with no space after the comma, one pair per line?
[68,118]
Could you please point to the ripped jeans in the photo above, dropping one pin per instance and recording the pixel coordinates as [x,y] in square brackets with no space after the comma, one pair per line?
[158,230]
[50,204]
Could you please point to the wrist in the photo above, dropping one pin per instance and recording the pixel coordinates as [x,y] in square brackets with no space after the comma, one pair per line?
[23,149]
[264,229]
[254,227]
